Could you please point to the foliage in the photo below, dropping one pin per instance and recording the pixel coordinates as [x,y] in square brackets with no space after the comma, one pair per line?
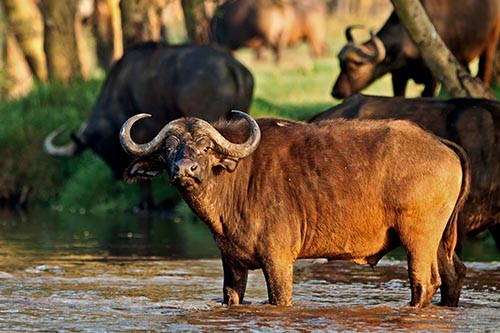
[23,124]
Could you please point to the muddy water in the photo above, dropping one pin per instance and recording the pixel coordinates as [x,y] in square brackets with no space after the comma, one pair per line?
[76,273]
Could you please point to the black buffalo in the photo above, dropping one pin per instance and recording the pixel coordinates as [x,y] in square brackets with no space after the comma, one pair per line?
[470,29]
[273,191]
[166,81]
[472,123]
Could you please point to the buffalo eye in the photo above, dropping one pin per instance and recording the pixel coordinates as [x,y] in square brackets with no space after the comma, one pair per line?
[203,144]
[170,144]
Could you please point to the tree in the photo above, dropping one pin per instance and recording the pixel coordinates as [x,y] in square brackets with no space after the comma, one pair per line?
[141,20]
[108,32]
[197,21]
[16,78]
[85,37]
[444,66]
[60,39]
[26,26]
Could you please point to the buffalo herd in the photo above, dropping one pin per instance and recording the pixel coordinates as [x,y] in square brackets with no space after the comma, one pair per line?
[469,30]
[166,81]
[352,183]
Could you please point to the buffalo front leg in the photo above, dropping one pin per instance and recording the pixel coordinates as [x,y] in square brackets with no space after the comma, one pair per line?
[279,280]
[235,283]
[399,81]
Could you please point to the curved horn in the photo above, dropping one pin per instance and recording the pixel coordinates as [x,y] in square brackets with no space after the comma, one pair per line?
[223,145]
[238,150]
[68,150]
[139,150]
[348,33]
[380,51]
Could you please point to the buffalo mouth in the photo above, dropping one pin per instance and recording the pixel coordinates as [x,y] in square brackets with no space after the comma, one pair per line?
[185,182]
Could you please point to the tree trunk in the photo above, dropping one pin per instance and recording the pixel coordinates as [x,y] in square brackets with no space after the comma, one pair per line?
[108,32]
[16,78]
[141,21]
[443,64]
[197,21]
[60,40]
[18,75]
[84,35]
[26,25]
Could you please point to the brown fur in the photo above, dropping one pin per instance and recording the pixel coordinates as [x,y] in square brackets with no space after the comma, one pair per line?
[472,123]
[350,190]
[270,23]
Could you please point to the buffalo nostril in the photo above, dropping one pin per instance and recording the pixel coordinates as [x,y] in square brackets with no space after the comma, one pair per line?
[185,167]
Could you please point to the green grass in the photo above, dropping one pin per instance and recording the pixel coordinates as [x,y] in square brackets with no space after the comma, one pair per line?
[83,183]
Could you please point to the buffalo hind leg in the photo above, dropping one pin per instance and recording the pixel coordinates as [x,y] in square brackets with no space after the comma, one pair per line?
[235,283]
[424,278]
[279,280]
[495,232]
[452,278]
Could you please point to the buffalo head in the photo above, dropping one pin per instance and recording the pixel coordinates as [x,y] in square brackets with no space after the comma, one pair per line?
[188,148]
[358,63]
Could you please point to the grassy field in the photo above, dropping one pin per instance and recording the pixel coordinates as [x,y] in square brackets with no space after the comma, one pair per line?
[296,88]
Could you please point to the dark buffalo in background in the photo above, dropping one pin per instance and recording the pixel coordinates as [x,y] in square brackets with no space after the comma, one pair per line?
[472,123]
[470,29]
[273,191]
[167,81]
[270,24]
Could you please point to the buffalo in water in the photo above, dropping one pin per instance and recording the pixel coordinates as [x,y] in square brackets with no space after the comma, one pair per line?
[167,81]
[470,29]
[273,191]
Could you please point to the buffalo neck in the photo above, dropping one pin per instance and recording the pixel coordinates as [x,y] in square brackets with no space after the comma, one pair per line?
[219,197]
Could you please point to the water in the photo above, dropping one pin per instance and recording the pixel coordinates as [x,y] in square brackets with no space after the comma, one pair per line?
[79,273]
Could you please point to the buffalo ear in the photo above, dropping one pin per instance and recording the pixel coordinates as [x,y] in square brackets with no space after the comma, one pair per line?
[228,163]
[143,169]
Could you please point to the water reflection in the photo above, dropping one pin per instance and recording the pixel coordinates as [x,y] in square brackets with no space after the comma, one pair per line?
[108,235]
[72,272]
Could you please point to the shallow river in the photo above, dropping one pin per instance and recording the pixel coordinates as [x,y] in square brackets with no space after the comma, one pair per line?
[78,273]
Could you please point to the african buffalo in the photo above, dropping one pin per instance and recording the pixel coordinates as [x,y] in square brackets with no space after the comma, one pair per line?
[470,29]
[270,23]
[350,190]
[167,81]
[472,123]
